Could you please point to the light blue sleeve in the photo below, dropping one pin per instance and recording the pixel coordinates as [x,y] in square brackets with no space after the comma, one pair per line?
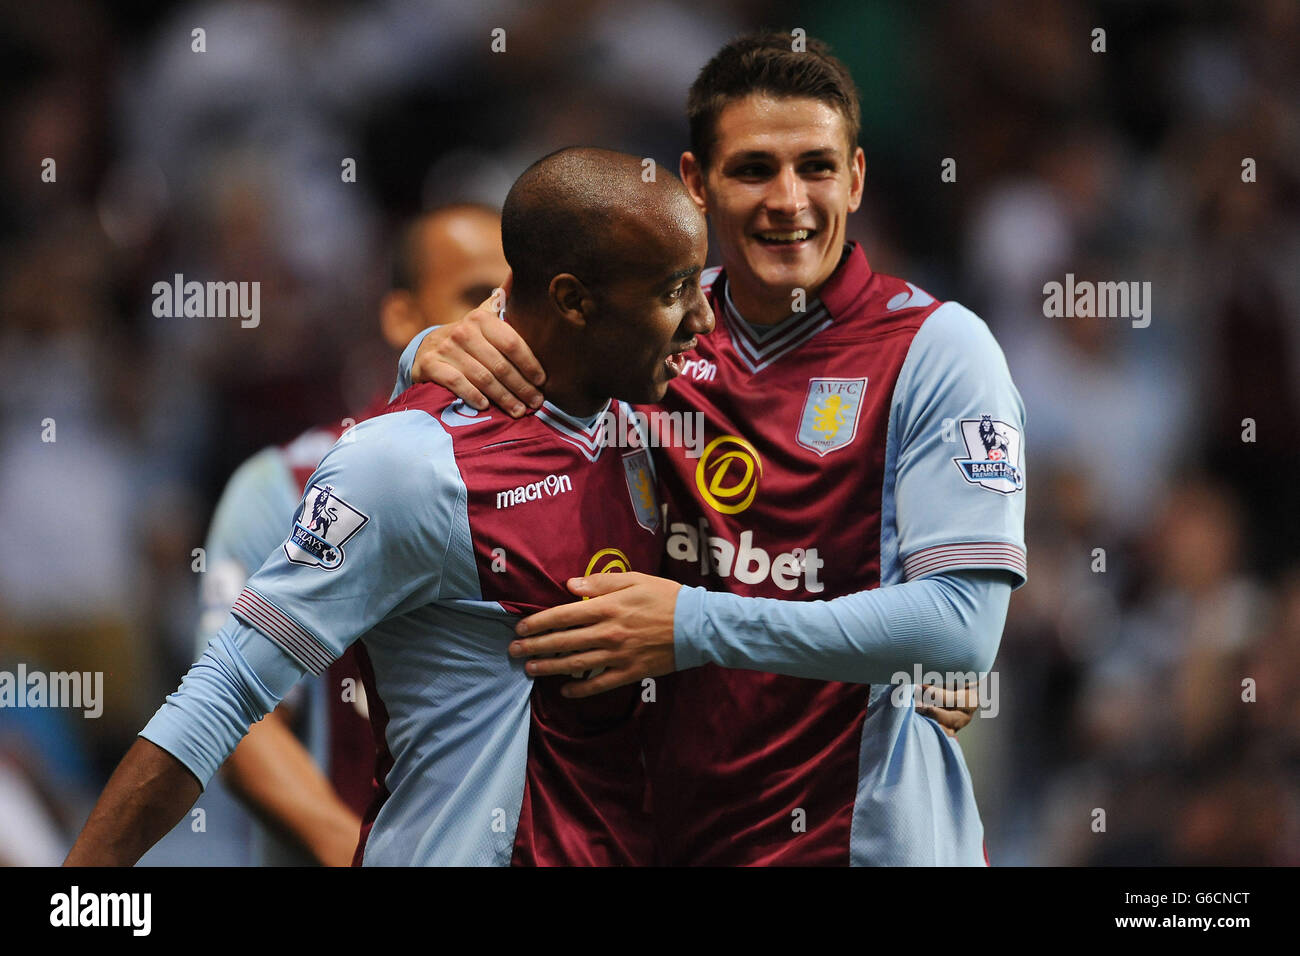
[955,494]
[239,679]
[947,623]
[368,542]
[248,525]
[407,361]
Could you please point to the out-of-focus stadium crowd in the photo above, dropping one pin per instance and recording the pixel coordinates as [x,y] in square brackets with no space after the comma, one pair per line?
[1147,668]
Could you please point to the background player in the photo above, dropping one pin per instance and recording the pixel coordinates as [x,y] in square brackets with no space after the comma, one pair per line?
[429,557]
[444,261]
[844,459]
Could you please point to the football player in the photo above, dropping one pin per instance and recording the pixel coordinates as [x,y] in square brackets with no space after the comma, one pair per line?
[445,526]
[848,521]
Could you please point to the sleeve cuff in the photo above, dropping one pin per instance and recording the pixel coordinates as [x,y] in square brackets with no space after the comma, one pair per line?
[161,738]
[688,626]
[993,555]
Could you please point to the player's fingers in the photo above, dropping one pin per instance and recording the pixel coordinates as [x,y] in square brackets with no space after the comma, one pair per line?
[594,585]
[948,719]
[489,355]
[485,380]
[569,664]
[558,642]
[505,338]
[960,698]
[963,698]
[516,357]
[455,382]
[604,681]
[561,616]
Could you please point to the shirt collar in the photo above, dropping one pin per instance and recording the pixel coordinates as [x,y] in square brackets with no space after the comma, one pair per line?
[758,347]
[586,434]
[838,293]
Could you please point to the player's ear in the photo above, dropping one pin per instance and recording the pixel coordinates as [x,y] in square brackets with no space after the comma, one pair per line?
[571,299]
[858,175]
[692,176]
[400,318]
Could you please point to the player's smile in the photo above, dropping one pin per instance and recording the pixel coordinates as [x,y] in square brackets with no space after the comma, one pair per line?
[780,185]
[787,246]
[676,360]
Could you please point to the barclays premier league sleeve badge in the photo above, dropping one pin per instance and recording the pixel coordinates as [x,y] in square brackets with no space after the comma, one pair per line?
[322,525]
[992,455]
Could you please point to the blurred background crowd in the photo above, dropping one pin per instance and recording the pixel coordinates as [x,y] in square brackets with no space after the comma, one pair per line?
[1156,690]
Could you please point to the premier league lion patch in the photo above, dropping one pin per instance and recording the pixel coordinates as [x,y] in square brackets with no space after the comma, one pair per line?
[992,455]
[830,414]
[322,525]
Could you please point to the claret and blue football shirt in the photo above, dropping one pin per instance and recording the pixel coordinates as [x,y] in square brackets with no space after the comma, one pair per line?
[873,439]
[424,534]
[856,509]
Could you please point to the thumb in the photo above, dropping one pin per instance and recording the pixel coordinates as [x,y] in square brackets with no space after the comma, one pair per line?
[594,585]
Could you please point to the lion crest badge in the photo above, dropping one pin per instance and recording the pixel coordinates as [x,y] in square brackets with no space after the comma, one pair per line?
[322,525]
[992,455]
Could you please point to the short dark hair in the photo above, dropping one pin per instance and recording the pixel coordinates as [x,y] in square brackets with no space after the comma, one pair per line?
[408,265]
[560,214]
[766,63]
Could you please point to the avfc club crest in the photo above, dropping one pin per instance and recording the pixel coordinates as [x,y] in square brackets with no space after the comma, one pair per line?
[993,455]
[641,486]
[830,414]
[322,525]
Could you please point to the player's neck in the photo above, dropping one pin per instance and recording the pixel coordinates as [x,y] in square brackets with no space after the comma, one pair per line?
[557,351]
[762,306]
[564,383]
[565,388]
[573,402]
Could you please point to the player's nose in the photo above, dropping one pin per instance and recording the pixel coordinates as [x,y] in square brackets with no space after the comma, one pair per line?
[786,196]
[699,320]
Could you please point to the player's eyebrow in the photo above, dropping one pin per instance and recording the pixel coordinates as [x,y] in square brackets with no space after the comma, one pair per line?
[822,152]
[749,155]
[679,275]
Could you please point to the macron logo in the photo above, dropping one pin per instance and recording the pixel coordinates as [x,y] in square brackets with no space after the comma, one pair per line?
[550,486]
[103,909]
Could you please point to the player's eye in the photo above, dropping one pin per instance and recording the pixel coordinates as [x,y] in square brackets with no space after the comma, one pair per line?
[750,171]
[819,166]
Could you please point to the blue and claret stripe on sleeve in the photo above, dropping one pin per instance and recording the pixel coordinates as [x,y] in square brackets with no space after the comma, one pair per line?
[295,640]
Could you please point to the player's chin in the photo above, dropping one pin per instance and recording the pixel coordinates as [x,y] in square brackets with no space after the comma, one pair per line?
[795,272]
[653,393]
[644,390]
